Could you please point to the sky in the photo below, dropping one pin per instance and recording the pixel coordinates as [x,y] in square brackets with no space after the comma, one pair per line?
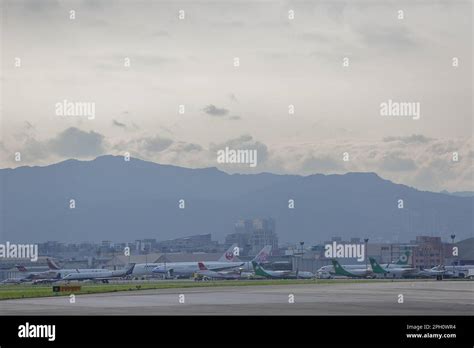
[283,62]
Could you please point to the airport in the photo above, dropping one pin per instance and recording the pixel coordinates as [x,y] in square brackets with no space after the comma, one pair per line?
[326,297]
[230,285]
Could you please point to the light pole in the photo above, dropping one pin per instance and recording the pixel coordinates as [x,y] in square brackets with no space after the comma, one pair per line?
[366,240]
[300,255]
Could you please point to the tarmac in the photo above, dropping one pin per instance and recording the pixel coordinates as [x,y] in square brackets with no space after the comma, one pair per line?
[371,298]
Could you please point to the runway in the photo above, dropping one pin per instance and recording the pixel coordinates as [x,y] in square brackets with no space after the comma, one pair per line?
[372,298]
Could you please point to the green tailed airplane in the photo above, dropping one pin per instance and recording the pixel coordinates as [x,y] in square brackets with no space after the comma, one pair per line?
[393,271]
[353,273]
[260,271]
[403,259]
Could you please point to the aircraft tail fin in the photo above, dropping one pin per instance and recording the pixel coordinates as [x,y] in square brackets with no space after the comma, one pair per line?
[21,268]
[403,259]
[230,254]
[129,271]
[202,267]
[52,264]
[258,269]
[375,266]
[338,269]
[263,255]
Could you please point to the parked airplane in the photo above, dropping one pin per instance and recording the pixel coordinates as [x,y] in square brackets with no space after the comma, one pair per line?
[205,273]
[104,276]
[187,269]
[260,258]
[438,271]
[54,267]
[56,273]
[32,276]
[402,261]
[393,272]
[328,270]
[351,273]
[260,271]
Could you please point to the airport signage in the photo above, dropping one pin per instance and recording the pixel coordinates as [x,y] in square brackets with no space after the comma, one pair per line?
[66,288]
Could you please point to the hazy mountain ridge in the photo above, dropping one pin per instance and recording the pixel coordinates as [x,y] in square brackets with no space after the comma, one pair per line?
[124,201]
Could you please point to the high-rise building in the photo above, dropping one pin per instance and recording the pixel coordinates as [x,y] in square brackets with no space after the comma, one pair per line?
[252,235]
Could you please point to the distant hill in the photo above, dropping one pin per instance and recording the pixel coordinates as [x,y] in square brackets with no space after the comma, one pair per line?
[124,201]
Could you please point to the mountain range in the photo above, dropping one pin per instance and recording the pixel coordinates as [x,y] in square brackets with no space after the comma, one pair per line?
[122,200]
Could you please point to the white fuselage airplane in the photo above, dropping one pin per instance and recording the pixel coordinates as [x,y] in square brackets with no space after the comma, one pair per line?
[31,276]
[360,268]
[204,273]
[391,272]
[104,276]
[61,273]
[226,262]
[185,269]
[270,274]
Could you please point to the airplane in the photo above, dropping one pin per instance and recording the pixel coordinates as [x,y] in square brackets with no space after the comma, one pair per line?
[58,273]
[226,262]
[167,268]
[104,276]
[34,276]
[395,272]
[328,270]
[54,267]
[437,271]
[351,273]
[260,271]
[205,273]
[260,258]
[402,261]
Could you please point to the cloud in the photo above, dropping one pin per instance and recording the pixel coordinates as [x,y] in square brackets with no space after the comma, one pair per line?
[69,143]
[154,144]
[388,36]
[397,162]
[119,124]
[74,142]
[320,163]
[215,111]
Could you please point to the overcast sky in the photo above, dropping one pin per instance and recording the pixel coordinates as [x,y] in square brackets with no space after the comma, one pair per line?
[282,62]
